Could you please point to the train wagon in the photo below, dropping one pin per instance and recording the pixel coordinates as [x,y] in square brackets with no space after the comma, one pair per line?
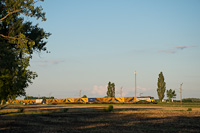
[147,99]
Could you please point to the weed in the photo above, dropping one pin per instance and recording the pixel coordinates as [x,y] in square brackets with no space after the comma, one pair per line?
[65,110]
[189,109]
[109,108]
[20,110]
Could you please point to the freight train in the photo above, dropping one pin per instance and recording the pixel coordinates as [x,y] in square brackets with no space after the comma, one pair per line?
[144,99]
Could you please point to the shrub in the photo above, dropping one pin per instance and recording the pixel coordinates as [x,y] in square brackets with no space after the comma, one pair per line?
[65,110]
[189,109]
[20,110]
[109,108]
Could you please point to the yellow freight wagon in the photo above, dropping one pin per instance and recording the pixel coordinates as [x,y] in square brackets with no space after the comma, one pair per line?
[15,101]
[81,100]
[29,101]
[70,100]
[99,100]
[119,99]
[84,100]
[48,101]
[60,100]
[130,99]
[77,100]
[108,99]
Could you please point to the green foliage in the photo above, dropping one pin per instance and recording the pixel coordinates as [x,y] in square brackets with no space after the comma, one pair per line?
[109,108]
[161,87]
[189,109]
[191,100]
[32,97]
[65,110]
[20,110]
[111,90]
[171,94]
[84,96]
[18,40]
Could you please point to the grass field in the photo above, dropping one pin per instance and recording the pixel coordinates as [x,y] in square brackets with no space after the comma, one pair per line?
[165,117]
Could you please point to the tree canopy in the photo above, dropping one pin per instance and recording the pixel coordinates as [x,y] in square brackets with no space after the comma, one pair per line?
[18,40]
[84,96]
[161,87]
[111,90]
[171,94]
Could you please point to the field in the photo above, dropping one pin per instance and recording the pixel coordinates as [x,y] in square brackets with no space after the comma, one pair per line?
[93,118]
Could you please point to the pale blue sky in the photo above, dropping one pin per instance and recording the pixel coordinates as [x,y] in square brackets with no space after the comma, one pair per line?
[97,41]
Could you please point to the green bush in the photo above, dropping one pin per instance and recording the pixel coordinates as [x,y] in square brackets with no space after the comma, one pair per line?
[65,110]
[109,108]
[189,109]
[20,110]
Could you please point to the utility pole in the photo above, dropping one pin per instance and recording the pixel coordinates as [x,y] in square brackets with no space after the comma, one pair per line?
[135,82]
[181,93]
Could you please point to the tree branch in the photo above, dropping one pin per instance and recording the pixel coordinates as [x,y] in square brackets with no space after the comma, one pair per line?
[14,38]
[7,37]
[11,13]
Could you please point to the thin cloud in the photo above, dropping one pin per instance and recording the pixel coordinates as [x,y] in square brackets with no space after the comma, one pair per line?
[45,63]
[51,61]
[183,47]
[99,91]
[168,51]
[175,50]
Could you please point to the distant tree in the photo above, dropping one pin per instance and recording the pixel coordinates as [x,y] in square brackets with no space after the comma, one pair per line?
[171,94]
[32,97]
[161,87]
[111,90]
[84,96]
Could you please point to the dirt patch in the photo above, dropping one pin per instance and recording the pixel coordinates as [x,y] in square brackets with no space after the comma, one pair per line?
[92,118]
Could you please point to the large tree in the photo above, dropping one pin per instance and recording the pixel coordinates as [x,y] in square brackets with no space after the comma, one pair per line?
[18,40]
[161,87]
[171,94]
[111,90]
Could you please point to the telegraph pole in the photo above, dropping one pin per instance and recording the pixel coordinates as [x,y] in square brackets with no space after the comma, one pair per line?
[135,82]
[181,93]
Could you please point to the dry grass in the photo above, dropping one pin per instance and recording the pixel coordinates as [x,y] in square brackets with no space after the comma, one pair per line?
[92,118]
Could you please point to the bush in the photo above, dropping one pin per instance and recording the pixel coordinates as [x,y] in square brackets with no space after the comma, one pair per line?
[109,108]
[65,110]
[20,110]
[189,109]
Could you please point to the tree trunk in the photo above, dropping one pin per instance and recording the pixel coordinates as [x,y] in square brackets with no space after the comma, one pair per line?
[2,102]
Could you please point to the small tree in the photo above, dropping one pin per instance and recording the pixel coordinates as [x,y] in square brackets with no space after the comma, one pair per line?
[171,94]
[111,90]
[84,96]
[161,87]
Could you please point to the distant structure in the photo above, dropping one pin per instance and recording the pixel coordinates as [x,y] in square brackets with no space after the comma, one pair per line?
[135,83]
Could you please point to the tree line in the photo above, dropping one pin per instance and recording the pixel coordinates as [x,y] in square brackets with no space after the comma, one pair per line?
[32,97]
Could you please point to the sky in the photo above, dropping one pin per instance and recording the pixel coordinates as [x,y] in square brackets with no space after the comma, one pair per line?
[97,41]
